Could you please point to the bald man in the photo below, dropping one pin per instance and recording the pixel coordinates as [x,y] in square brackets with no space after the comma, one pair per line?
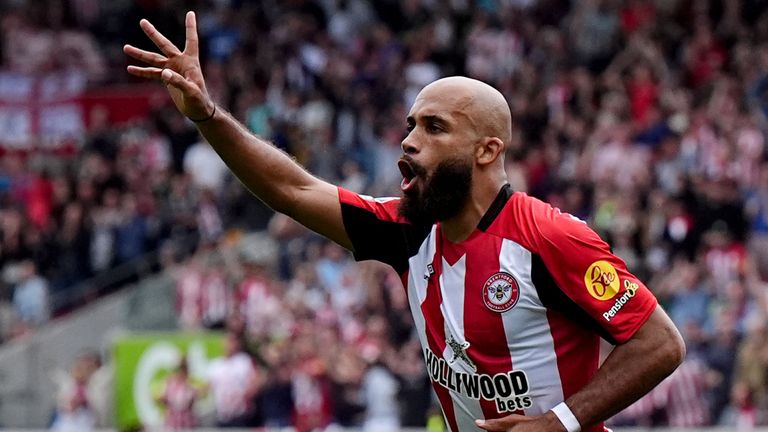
[509,296]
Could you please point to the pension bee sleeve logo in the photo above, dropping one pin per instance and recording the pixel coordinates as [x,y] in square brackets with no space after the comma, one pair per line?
[630,289]
[602,280]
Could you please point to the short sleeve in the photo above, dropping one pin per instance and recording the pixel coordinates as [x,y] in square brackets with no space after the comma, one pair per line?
[377,231]
[583,267]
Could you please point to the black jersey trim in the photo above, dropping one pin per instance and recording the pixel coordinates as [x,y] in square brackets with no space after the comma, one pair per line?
[496,207]
[390,242]
[552,297]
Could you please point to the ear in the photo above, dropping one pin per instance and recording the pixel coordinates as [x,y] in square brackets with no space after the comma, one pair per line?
[488,150]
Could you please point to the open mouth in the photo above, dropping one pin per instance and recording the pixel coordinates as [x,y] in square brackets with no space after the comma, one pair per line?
[409,175]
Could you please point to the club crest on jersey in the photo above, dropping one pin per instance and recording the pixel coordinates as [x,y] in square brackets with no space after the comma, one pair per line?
[501,292]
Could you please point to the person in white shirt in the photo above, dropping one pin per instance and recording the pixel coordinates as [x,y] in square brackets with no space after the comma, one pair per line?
[233,381]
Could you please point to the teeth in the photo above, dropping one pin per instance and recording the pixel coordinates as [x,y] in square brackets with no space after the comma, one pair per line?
[405,184]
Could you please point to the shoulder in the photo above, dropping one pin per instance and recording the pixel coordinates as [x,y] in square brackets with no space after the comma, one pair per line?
[541,228]
[385,208]
[525,217]
[243,361]
[215,366]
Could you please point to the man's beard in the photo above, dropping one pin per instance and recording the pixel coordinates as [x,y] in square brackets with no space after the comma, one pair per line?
[441,195]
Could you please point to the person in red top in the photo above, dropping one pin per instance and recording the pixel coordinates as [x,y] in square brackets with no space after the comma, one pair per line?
[179,397]
[509,295]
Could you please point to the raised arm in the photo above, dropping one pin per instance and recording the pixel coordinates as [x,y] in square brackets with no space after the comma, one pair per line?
[265,170]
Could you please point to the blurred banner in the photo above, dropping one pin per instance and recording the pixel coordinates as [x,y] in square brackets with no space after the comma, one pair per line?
[45,112]
[143,361]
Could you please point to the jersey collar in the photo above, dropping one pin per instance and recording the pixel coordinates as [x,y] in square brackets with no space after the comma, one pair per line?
[496,206]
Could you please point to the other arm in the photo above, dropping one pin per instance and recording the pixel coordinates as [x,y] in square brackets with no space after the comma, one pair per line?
[631,370]
[268,172]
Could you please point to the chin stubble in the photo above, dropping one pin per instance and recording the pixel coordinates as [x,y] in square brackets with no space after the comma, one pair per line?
[442,196]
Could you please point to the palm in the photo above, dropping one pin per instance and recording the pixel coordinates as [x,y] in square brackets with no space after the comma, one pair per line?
[189,68]
[179,70]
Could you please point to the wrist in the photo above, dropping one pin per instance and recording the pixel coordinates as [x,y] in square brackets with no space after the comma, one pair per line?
[568,422]
[206,118]
[553,423]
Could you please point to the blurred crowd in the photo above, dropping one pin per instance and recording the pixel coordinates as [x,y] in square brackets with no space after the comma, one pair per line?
[331,344]
[646,118]
[65,220]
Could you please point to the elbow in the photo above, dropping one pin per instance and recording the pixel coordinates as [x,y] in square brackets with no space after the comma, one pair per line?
[674,349]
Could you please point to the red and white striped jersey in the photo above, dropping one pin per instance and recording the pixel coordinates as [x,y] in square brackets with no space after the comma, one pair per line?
[509,319]
[179,397]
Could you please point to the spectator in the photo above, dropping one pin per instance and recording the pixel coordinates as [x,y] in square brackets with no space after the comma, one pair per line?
[720,359]
[179,397]
[31,296]
[216,297]
[131,233]
[751,369]
[205,168]
[189,281]
[71,244]
[313,406]
[74,411]
[276,397]
[234,383]
[380,389]
[684,401]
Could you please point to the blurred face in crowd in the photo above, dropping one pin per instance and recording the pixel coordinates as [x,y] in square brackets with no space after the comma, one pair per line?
[449,126]
[232,345]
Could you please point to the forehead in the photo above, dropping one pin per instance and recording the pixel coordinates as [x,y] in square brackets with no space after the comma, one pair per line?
[441,101]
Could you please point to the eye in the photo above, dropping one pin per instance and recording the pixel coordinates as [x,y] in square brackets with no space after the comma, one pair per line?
[434,127]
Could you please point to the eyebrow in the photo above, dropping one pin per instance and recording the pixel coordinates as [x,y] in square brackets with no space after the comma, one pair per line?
[430,118]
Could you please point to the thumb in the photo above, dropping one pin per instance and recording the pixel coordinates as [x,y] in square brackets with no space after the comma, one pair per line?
[501,424]
[173,78]
[188,97]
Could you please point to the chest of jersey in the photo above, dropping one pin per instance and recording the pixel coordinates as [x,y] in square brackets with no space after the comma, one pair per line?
[479,317]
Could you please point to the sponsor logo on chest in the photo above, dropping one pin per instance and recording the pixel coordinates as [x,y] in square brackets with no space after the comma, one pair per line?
[508,390]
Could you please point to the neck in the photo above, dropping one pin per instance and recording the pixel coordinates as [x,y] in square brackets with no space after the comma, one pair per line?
[461,226]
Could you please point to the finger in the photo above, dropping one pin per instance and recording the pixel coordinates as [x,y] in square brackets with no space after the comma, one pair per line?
[490,425]
[166,46]
[147,57]
[501,424]
[172,78]
[190,25]
[145,72]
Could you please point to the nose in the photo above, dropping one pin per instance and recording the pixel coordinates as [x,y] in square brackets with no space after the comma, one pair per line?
[407,145]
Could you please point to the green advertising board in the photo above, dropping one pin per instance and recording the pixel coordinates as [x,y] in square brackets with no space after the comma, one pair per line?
[143,361]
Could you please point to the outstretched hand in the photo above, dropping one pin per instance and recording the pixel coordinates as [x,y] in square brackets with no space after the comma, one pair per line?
[180,71]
